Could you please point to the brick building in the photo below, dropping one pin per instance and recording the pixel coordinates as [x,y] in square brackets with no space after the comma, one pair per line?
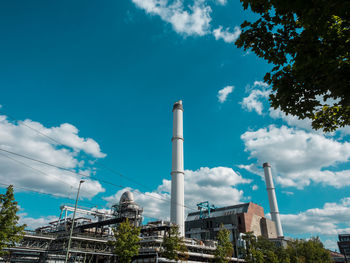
[242,218]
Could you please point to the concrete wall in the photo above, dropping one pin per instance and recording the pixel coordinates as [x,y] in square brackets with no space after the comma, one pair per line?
[268,228]
[255,225]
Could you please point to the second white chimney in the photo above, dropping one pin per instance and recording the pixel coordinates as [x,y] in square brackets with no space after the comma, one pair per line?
[275,215]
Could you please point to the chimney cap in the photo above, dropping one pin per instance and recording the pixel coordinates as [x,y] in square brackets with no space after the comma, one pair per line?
[266,165]
[178,105]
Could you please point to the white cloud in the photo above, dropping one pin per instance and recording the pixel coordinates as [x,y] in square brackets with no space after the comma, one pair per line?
[226,35]
[332,219]
[344,130]
[195,21]
[288,193]
[34,223]
[259,94]
[221,2]
[21,172]
[260,84]
[192,20]
[215,185]
[331,244]
[291,120]
[305,124]
[255,187]
[223,93]
[297,157]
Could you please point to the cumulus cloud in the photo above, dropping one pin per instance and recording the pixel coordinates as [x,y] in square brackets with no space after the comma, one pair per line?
[297,157]
[222,2]
[290,119]
[305,124]
[258,94]
[288,193]
[217,185]
[255,187]
[226,35]
[331,244]
[195,21]
[34,223]
[223,93]
[21,172]
[331,219]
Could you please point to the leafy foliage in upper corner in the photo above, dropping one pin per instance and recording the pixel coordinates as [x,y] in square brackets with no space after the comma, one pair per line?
[224,248]
[10,232]
[127,241]
[309,44]
[261,250]
[174,246]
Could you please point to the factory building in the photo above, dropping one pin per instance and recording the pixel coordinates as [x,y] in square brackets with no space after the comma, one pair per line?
[242,218]
[91,236]
[238,219]
[92,232]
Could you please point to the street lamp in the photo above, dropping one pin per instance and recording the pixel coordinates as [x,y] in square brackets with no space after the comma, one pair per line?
[71,228]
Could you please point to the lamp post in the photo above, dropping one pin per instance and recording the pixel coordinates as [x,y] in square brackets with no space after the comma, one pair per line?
[71,228]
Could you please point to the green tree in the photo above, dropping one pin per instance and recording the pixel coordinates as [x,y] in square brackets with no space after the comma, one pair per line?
[309,44]
[224,249]
[250,242]
[10,232]
[308,251]
[126,245]
[174,246]
[256,256]
[261,250]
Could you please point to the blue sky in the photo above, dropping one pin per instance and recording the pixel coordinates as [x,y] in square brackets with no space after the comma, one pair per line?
[101,78]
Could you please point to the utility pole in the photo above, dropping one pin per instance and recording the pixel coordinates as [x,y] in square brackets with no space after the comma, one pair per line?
[72,226]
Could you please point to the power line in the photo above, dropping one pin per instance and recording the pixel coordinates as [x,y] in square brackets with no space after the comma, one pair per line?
[42,162]
[59,196]
[45,193]
[35,169]
[60,143]
[122,176]
[36,130]
[63,168]
[107,182]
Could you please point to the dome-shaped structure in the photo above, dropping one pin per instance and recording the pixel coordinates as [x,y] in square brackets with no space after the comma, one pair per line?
[127,197]
[127,208]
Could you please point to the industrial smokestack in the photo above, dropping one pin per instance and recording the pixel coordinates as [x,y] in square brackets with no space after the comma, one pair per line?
[275,215]
[177,209]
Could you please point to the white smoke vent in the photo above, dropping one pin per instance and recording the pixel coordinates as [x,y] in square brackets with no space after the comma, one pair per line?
[270,187]
[177,209]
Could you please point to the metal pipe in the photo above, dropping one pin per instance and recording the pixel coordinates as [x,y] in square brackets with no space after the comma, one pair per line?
[270,187]
[177,209]
[65,219]
[72,226]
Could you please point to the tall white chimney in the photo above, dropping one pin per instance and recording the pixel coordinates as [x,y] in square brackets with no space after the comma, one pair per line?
[275,215]
[177,209]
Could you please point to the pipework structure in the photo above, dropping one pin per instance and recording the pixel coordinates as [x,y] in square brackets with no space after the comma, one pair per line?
[177,209]
[270,187]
